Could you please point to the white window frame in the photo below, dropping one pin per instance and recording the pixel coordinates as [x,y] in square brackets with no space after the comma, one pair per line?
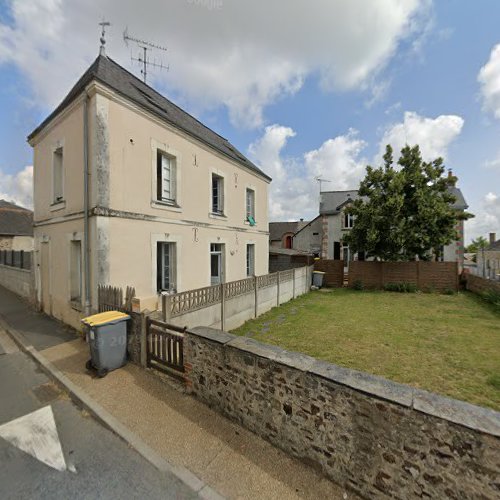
[58,151]
[174,204]
[250,203]
[172,266]
[160,180]
[250,259]
[221,194]
[76,302]
[348,221]
[222,253]
[165,238]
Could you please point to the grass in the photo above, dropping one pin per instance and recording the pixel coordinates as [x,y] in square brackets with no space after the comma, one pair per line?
[449,344]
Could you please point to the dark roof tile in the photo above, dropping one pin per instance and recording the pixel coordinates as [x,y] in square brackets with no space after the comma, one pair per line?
[15,220]
[114,76]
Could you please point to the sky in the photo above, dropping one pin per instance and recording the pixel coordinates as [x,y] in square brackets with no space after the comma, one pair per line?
[304,89]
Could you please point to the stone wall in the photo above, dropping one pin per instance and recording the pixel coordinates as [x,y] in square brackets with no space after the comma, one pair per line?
[480,285]
[375,437]
[427,276]
[19,281]
[334,272]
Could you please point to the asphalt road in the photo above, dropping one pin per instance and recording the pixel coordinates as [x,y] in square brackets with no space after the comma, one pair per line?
[97,463]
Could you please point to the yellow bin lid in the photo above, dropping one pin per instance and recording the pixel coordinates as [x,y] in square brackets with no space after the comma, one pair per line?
[103,318]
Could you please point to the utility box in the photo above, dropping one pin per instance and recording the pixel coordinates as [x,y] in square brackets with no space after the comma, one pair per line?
[107,338]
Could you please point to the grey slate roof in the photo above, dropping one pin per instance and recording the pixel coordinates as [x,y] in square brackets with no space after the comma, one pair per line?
[332,201]
[278,229]
[114,76]
[15,220]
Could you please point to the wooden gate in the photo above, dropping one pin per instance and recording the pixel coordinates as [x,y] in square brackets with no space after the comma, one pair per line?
[165,345]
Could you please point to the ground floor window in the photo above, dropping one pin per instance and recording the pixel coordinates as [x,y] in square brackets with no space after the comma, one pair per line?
[165,274]
[250,260]
[216,263]
[76,271]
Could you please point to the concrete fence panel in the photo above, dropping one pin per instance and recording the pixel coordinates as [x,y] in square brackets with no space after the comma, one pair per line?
[19,281]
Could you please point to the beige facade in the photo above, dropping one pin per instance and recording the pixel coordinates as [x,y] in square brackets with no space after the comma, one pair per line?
[16,243]
[127,220]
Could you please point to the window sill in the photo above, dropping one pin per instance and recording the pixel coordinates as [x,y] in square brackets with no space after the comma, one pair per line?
[59,205]
[76,305]
[163,205]
[248,223]
[214,215]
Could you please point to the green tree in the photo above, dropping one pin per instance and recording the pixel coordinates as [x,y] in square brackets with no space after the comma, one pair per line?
[477,244]
[406,211]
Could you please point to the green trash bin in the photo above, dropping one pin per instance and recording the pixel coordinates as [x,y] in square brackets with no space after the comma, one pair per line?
[107,338]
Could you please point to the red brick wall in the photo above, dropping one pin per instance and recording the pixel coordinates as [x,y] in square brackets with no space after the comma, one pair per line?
[439,276]
[334,270]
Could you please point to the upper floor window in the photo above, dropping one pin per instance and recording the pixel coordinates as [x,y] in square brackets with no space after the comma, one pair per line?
[57,175]
[348,221]
[217,194]
[165,182]
[250,205]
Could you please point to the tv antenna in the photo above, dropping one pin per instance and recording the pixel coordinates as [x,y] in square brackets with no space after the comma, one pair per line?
[143,58]
[320,180]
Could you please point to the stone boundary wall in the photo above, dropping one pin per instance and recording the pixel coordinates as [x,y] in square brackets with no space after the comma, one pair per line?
[427,276]
[19,281]
[372,436]
[480,285]
[334,272]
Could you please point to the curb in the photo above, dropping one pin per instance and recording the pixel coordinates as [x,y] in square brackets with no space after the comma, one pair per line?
[105,418]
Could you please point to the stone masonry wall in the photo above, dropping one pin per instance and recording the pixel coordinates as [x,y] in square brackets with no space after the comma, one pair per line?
[375,437]
[477,284]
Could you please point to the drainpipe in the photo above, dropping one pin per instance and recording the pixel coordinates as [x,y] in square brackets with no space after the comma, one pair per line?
[86,235]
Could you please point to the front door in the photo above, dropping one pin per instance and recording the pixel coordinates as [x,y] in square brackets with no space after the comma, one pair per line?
[46,304]
[216,263]
[346,255]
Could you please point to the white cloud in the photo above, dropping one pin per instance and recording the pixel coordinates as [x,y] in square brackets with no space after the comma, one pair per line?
[17,188]
[433,135]
[294,192]
[489,79]
[487,218]
[242,55]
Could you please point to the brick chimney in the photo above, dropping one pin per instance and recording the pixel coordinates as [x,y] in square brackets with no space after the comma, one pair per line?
[493,238]
[450,176]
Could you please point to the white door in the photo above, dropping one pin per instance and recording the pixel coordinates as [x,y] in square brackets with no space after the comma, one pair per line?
[216,263]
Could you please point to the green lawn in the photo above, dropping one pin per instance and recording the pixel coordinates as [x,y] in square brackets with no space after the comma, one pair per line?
[448,344]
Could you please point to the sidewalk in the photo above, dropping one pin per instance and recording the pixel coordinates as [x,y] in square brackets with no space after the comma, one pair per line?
[233,461]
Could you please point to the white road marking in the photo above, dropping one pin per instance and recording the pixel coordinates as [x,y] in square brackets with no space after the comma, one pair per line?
[36,434]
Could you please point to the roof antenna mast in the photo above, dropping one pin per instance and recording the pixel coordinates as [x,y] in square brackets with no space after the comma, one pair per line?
[143,58]
[103,24]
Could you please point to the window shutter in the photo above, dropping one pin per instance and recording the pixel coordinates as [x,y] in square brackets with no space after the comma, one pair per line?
[173,179]
[221,194]
[158,265]
[158,176]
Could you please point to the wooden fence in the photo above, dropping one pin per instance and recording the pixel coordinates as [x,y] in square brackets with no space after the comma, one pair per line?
[165,347]
[111,298]
[426,276]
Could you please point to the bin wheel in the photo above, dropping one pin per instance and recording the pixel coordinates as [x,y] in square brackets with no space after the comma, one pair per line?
[102,372]
[88,365]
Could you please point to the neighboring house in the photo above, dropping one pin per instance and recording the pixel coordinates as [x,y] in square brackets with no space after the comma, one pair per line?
[16,227]
[281,233]
[309,237]
[334,222]
[488,260]
[281,259]
[129,189]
